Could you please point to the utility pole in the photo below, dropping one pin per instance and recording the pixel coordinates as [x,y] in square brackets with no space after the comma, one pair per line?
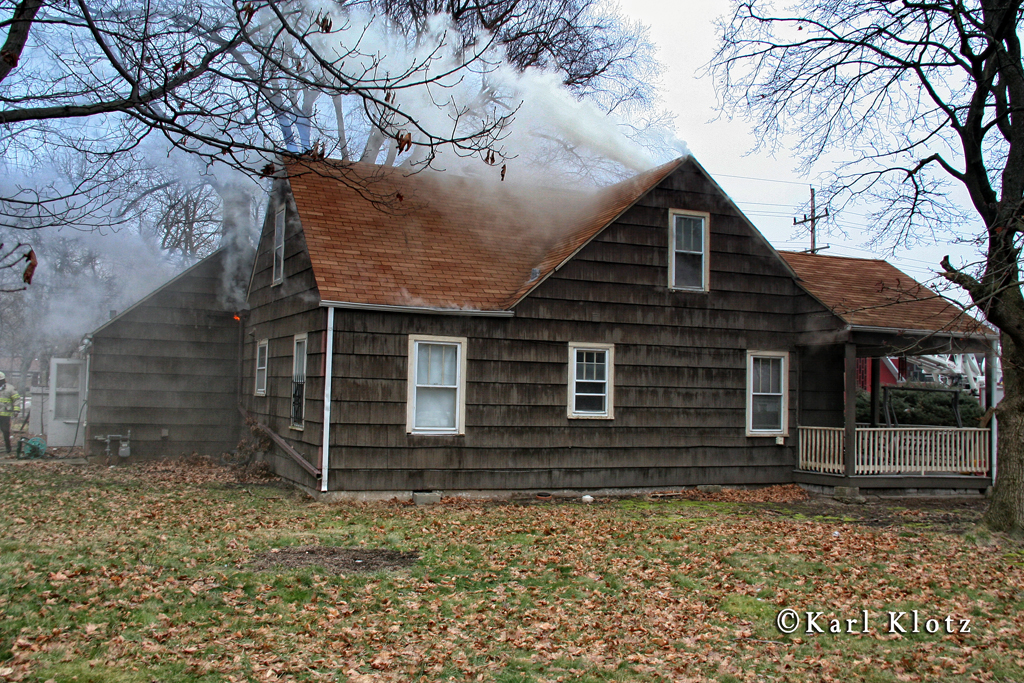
[813,221]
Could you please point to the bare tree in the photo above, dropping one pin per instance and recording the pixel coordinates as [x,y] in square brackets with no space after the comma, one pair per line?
[232,82]
[930,97]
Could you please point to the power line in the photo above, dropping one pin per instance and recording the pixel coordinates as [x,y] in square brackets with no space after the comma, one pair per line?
[763,180]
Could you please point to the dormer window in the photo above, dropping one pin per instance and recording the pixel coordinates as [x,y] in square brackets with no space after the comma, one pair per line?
[688,250]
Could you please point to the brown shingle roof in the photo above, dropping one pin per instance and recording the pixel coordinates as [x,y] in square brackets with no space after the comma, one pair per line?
[874,293]
[451,241]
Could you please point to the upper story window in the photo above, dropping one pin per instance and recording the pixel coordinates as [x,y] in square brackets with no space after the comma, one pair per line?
[591,373]
[437,385]
[767,404]
[688,250]
[279,246]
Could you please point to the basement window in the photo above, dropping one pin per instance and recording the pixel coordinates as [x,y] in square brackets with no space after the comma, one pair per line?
[261,367]
[279,246]
[299,382]
[688,250]
[437,385]
[767,404]
[591,375]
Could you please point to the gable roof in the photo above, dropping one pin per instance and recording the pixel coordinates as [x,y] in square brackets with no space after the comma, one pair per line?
[214,261]
[445,241]
[875,294]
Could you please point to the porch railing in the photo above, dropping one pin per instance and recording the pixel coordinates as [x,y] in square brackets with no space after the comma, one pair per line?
[898,450]
[821,449]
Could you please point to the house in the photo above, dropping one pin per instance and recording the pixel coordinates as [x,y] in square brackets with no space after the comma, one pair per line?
[164,371]
[477,336]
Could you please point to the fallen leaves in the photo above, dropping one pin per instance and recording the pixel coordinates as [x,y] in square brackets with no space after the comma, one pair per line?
[152,567]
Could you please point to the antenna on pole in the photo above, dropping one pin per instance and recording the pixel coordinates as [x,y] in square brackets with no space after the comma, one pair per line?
[813,221]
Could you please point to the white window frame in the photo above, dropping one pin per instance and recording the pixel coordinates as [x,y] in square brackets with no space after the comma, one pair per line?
[609,411]
[278,252]
[304,338]
[460,383]
[261,387]
[706,269]
[784,376]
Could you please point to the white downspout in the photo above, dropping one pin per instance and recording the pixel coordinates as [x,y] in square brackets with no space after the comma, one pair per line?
[328,376]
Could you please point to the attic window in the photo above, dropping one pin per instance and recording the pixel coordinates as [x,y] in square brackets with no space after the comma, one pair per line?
[688,250]
[279,246]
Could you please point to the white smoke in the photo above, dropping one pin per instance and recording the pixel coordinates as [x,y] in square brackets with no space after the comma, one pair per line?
[449,92]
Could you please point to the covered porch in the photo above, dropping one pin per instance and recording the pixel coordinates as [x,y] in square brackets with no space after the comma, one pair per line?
[876,455]
[884,313]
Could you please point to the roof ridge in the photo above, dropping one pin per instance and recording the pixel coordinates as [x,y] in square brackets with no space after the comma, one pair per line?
[835,256]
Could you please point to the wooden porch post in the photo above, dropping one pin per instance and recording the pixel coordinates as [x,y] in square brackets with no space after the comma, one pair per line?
[990,377]
[990,401]
[876,388]
[850,442]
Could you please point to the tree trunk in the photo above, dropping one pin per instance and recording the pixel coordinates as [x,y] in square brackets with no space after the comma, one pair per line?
[373,145]
[24,380]
[1006,513]
[339,114]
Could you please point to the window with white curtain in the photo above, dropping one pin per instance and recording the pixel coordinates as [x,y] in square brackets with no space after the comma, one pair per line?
[767,405]
[437,385]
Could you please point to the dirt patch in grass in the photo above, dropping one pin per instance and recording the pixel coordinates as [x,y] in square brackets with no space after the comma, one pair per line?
[780,493]
[945,514]
[335,559]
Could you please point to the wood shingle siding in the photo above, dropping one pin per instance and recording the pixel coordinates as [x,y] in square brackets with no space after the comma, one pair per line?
[278,313]
[169,363]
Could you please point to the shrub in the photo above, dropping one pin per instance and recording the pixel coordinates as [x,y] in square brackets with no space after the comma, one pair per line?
[923,407]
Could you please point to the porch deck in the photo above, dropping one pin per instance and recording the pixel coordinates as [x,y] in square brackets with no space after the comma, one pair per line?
[894,457]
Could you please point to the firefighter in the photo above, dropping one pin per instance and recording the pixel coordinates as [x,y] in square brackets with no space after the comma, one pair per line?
[8,409]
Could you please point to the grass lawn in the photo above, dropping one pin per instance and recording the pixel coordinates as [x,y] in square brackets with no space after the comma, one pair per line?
[150,574]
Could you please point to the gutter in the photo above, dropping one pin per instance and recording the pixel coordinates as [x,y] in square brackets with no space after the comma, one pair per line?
[328,377]
[929,333]
[431,310]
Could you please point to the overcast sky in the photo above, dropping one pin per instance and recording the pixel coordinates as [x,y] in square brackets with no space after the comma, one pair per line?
[769,190]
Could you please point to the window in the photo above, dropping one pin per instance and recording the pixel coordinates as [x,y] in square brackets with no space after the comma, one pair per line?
[688,248]
[261,367]
[279,246]
[591,380]
[437,385]
[299,382]
[767,409]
